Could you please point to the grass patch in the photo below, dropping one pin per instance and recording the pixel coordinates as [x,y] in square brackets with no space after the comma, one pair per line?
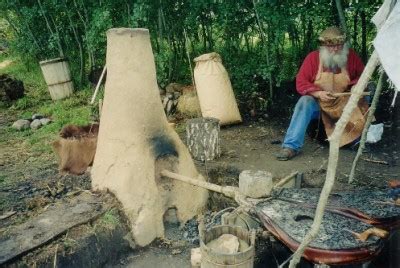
[108,221]
[111,217]
[37,100]
[4,56]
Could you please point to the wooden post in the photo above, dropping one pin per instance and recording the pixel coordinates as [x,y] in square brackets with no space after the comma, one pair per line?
[370,116]
[98,84]
[202,138]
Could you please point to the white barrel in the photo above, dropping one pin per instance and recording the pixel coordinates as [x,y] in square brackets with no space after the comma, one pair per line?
[58,78]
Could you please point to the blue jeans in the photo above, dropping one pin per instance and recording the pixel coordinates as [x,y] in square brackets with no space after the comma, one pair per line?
[307,108]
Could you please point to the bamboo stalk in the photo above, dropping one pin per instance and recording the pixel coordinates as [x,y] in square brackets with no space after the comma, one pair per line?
[334,140]
[348,94]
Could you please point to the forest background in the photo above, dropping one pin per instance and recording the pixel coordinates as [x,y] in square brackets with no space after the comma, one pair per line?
[262,43]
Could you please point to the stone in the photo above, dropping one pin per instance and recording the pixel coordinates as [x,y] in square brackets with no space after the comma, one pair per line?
[37,116]
[255,184]
[195,257]
[225,244]
[21,124]
[45,121]
[36,124]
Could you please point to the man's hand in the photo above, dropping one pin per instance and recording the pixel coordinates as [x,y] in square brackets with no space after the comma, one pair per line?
[322,95]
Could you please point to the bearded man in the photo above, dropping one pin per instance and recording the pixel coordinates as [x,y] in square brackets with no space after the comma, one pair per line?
[334,68]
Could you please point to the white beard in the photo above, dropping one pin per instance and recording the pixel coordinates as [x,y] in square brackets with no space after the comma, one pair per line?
[333,60]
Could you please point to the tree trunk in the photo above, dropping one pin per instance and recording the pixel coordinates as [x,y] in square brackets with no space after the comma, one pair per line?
[160,29]
[309,36]
[78,42]
[84,21]
[203,29]
[60,50]
[247,43]
[202,138]
[21,17]
[341,16]
[265,44]
[364,54]
[335,15]
[355,30]
[209,37]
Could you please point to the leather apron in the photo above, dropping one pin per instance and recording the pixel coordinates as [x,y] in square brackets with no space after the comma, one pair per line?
[331,110]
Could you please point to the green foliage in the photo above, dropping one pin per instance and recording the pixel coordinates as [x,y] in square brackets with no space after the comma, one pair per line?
[262,42]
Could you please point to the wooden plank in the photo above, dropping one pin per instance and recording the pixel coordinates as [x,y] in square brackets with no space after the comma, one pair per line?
[56,220]
[7,215]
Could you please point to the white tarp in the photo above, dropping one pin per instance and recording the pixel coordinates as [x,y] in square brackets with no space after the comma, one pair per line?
[387,40]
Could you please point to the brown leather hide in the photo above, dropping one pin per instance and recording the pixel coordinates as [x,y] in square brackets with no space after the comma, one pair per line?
[74,131]
[76,148]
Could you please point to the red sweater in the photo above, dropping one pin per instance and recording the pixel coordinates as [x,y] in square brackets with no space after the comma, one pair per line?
[308,70]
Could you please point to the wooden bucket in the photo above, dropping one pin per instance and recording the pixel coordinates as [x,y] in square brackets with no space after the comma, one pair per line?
[212,259]
[58,78]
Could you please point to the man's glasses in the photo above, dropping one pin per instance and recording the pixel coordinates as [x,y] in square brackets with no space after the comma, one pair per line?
[340,46]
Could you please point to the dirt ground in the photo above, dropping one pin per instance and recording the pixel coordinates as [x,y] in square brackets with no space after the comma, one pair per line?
[29,181]
[252,145]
